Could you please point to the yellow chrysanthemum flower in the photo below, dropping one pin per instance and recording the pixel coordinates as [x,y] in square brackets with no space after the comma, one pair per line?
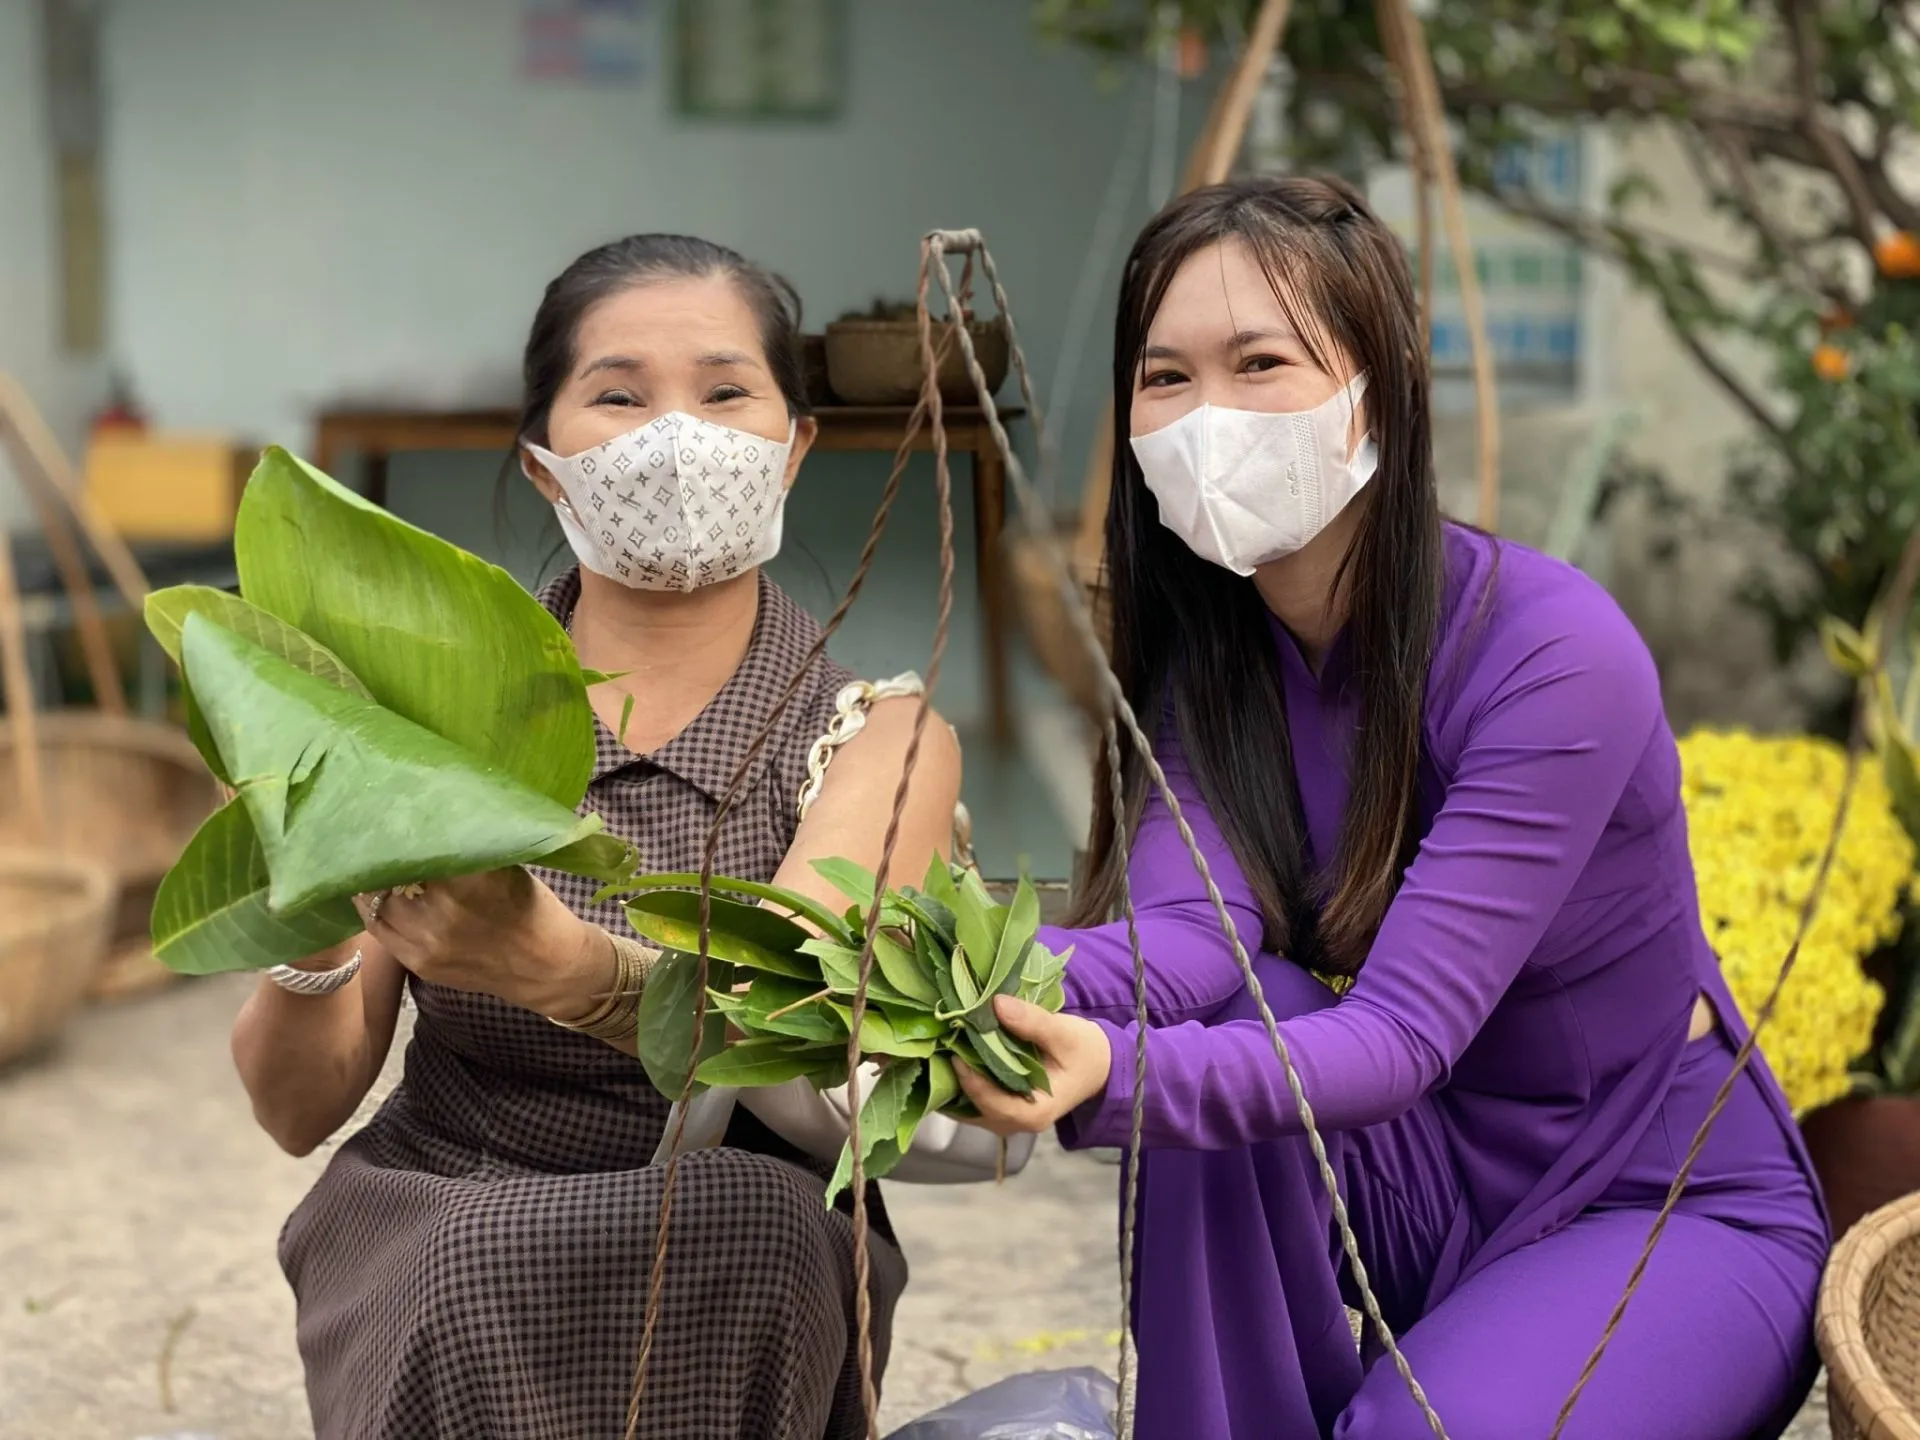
[1759,811]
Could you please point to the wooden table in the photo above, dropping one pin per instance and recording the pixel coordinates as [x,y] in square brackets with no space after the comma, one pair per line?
[375,435]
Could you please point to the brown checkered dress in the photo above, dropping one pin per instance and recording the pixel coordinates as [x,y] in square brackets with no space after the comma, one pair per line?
[473,1264]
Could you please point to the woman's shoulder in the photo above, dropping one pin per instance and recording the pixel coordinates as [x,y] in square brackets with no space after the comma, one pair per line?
[1514,616]
[788,635]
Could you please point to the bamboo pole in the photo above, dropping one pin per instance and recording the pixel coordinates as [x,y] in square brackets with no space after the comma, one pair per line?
[16,688]
[1423,94]
[94,642]
[19,416]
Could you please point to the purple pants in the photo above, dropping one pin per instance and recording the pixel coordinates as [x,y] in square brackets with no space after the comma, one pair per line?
[1715,1346]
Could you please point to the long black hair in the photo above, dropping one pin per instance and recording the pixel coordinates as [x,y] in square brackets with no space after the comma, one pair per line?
[1193,639]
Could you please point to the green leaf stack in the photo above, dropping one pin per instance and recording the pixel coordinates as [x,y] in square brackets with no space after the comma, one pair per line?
[388,710]
[786,982]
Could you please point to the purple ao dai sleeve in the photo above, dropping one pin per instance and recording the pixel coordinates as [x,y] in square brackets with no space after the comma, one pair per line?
[1556,711]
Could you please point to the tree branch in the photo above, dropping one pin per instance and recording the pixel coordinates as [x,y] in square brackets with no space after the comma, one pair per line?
[1614,237]
[1620,241]
[1753,207]
[1841,160]
[1729,382]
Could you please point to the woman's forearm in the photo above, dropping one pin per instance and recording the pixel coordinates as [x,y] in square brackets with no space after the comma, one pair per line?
[307,1061]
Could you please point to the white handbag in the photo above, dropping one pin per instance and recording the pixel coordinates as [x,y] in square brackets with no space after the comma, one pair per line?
[944,1151]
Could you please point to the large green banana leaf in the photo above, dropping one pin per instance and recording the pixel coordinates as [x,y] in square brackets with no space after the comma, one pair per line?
[437,635]
[166,613]
[347,796]
[211,914]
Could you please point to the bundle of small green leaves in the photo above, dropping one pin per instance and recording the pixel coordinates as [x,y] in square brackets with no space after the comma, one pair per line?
[387,708]
[785,982]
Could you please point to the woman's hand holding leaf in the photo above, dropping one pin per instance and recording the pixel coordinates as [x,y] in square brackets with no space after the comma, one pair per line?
[1078,1060]
[503,933]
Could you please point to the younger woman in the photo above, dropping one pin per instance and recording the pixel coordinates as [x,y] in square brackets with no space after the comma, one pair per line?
[1434,763]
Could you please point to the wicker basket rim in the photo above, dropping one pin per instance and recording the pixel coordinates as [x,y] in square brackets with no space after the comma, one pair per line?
[126,732]
[96,889]
[1855,1383]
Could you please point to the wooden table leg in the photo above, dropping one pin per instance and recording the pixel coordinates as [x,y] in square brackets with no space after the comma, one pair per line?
[374,477]
[989,520]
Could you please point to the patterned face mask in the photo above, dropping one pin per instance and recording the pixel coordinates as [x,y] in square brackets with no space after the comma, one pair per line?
[673,505]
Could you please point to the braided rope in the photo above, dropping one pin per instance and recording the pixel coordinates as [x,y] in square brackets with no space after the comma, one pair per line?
[1899,601]
[1725,1092]
[657,1275]
[931,400]
[1032,509]
[1129,1346]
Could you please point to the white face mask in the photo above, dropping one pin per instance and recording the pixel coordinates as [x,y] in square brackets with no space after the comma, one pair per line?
[1242,487]
[676,504]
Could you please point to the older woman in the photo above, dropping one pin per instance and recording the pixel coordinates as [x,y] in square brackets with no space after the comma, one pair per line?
[474,1262]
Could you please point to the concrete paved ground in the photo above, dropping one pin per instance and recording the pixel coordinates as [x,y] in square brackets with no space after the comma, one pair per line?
[139,1205]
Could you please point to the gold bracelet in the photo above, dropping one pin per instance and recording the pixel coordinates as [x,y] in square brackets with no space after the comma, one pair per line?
[617,1016]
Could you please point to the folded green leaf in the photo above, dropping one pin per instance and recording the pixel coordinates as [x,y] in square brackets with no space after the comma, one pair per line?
[960,974]
[942,1084]
[913,1024]
[1016,939]
[1050,996]
[942,891]
[851,880]
[166,615]
[914,1108]
[202,737]
[979,937]
[348,797]
[1044,966]
[877,1035]
[880,1112]
[437,635]
[941,966]
[973,887]
[667,1006]
[594,856]
[1000,1062]
[926,913]
[748,935]
[812,911]
[754,1061]
[1029,1061]
[788,1007]
[210,913]
[167,612]
[903,971]
[840,969]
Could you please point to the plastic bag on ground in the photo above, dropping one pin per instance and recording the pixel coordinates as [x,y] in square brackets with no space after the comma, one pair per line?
[1040,1405]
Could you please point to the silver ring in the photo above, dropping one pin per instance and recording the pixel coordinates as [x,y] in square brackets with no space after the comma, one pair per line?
[373,907]
[315,982]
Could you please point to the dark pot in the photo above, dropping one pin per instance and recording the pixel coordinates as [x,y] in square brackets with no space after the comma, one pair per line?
[877,362]
[1866,1150]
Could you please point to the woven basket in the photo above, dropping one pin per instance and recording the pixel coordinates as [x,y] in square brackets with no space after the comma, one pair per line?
[877,362]
[123,792]
[55,915]
[1869,1327]
[109,788]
